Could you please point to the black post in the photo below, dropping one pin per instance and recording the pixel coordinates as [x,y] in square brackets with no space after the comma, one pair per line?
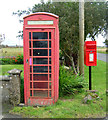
[89,77]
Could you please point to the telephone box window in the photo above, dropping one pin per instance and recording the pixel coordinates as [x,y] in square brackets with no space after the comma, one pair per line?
[43,85]
[40,44]
[30,77]
[49,52]
[30,52]
[50,69]
[40,77]
[50,93]
[49,77]
[30,92]
[29,35]
[49,44]
[30,69]
[40,35]
[40,69]
[30,84]
[49,35]
[29,44]
[40,93]
[49,60]
[40,60]
[40,52]
[50,85]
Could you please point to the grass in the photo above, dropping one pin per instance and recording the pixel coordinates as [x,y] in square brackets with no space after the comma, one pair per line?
[70,106]
[102,50]
[6,68]
[10,51]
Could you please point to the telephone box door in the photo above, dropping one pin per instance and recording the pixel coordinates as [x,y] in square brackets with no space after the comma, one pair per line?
[40,63]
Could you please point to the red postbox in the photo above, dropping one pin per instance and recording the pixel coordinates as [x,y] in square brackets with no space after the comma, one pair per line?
[41,58]
[90,53]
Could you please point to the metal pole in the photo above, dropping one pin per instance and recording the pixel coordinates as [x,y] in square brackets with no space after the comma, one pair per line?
[90,78]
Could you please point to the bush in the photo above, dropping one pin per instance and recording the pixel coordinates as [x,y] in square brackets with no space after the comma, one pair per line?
[22,90]
[19,59]
[12,60]
[69,83]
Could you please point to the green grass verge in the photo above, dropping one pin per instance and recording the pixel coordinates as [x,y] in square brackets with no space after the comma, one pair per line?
[71,107]
[10,51]
[102,52]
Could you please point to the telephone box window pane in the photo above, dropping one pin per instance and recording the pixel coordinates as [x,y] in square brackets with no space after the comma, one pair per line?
[42,52]
[30,92]
[49,35]
[49,60]
[40,69]
[41,85]
[40,44]
[40,60]
[30,53]
[30,77]
[29,44]
[49,77]
[40,93]
[40,35]
[40,77]
[50,69]
[49,85]
[50,52]
[30,68]
[49,44]
[29,35]
[50,93]
[30,84]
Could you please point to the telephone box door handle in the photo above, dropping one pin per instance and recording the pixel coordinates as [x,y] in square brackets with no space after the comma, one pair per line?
[26,60]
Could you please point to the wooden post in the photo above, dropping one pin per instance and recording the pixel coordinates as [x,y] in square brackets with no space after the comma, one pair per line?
[81,37]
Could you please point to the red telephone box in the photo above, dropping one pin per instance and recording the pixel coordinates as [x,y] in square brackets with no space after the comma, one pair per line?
[41,58]
[90,53]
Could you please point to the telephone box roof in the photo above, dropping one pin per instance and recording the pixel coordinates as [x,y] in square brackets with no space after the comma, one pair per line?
[42,13]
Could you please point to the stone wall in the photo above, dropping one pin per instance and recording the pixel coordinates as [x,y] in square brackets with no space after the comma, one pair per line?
[10,87]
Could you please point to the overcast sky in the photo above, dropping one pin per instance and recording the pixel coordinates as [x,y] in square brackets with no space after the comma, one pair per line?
[9,24]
